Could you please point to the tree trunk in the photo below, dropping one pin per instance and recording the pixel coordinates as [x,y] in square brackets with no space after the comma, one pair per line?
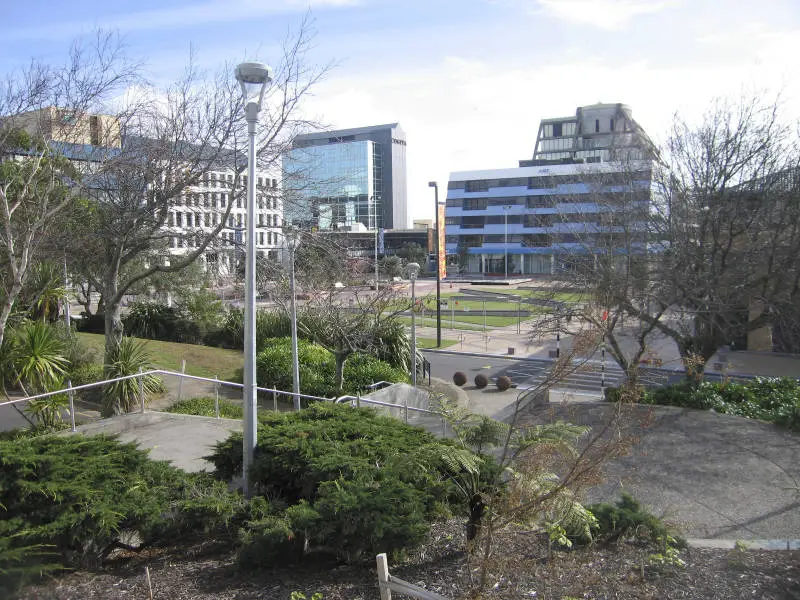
[8,305]
[340,357]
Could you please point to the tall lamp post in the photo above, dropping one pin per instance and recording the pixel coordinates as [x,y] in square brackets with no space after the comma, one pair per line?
[438,271]
[413,269]
[292,242]
[253,77]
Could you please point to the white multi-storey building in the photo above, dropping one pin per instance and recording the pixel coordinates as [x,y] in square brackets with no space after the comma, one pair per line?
[202,208]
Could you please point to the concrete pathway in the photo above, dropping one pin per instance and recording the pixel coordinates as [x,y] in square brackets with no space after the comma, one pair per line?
[181,439]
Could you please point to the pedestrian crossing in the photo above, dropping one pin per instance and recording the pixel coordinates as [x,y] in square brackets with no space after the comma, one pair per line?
[589,376]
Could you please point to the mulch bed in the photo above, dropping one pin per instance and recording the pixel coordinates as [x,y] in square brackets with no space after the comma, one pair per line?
[204,571]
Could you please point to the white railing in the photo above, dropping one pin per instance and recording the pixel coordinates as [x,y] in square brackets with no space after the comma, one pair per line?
[357,401]
[70,391]
[389,583]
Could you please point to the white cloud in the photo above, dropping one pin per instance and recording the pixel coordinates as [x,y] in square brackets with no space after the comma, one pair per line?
[605,14]
[462,114]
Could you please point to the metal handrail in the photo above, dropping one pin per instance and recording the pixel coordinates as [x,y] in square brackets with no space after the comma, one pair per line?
[379,383]
[355,400]
[86,386]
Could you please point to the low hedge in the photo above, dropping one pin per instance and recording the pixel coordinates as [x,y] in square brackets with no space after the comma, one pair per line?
[776,400]
[204,407]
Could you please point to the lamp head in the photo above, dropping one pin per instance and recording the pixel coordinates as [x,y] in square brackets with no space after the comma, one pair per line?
[432,184]
[292,237]
[253,77]
[413,269]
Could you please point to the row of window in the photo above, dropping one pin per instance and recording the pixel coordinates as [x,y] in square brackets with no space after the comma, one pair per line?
[268,238]
[212,179]
[541,240]
[212,219]
[549,181]
[542,220]
[214,200]
[606,199]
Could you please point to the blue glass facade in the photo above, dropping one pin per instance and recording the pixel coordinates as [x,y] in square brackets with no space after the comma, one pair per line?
[335,185]
[538,217]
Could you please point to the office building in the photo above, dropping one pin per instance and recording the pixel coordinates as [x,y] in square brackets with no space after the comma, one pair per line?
[348,179]
[88,140]
[597,133]
[530,220]
[201,208]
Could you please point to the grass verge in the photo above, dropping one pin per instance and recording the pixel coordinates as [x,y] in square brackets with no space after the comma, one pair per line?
[203,361]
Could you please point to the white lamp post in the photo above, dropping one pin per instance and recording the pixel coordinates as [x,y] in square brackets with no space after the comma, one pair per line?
[253,77]
[413,269]
[292,242]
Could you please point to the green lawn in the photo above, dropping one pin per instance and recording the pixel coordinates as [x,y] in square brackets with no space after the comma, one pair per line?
[425,343]
[203,361]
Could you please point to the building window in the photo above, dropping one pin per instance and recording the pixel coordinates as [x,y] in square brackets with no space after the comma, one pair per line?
[612,124]
[597,125]
[556,129]
[538,221]
[474,204]
[477,186]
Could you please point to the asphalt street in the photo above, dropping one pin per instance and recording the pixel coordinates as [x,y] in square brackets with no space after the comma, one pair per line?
[532,372]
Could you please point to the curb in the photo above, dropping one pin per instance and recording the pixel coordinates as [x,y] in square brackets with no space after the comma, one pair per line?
[719,544]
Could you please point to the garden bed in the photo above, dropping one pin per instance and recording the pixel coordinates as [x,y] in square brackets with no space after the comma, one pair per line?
[200,571]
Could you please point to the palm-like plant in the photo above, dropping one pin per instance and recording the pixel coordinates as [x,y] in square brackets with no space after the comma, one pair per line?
[36,360]
[129,358]
[38,357]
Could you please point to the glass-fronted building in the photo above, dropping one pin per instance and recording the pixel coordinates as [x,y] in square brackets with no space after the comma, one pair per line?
[338,185]
[347,179]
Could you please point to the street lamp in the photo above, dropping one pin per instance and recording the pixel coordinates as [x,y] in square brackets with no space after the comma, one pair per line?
[253,77]
[413,269]
[438,271]
[292,242]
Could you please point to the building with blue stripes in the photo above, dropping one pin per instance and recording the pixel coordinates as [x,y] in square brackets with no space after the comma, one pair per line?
[536,219]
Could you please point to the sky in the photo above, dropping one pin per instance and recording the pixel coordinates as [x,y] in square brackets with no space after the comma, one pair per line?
[468,80]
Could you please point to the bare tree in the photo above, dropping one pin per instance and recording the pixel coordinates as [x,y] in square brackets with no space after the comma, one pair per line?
[703,254]
[605,269]
[170,140]
[43,164]
[726,206]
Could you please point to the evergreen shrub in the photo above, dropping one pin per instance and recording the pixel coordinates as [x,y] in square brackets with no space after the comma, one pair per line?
[339,479]
[67,500]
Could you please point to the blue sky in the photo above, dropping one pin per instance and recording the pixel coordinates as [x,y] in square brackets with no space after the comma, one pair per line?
[468,80]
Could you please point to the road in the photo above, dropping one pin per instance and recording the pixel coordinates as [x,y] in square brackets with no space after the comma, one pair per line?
[531,372]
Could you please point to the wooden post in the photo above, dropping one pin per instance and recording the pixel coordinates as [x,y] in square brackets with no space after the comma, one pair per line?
[383,576]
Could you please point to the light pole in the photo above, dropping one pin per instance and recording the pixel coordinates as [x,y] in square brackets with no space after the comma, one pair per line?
[413,269]
[253,77]
[438,271]
[292,237]
[506,208]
